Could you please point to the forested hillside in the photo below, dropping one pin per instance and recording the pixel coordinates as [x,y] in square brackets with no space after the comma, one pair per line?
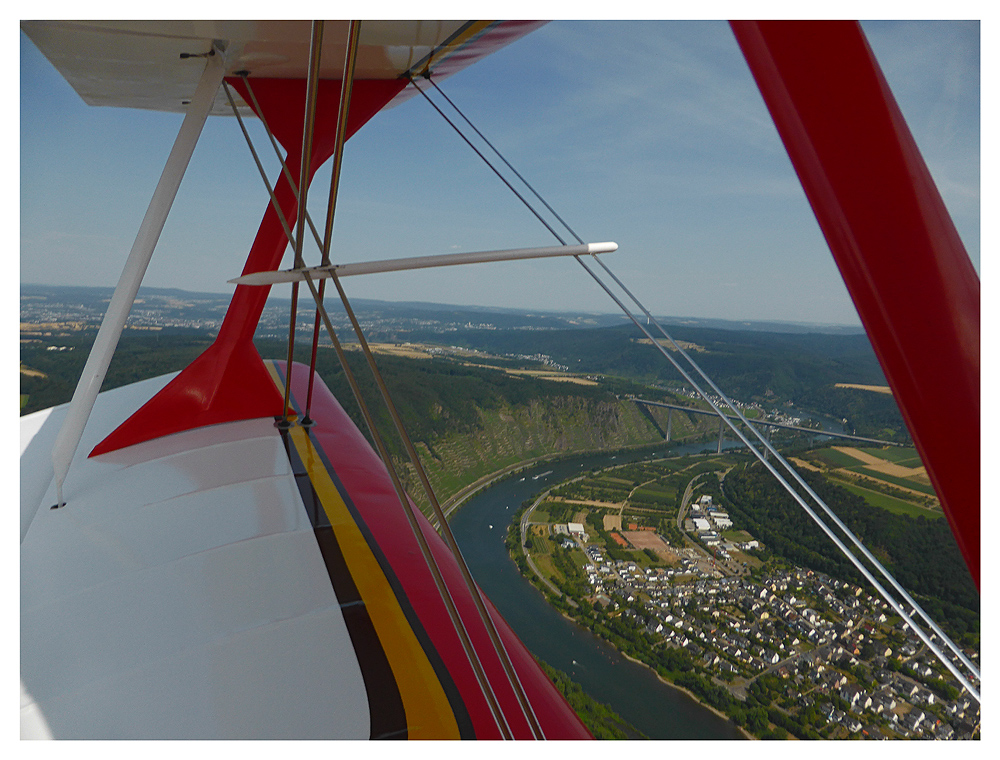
[139,356]
[869,414]
[767,367]
[745,364]
[920,552]
[466,421]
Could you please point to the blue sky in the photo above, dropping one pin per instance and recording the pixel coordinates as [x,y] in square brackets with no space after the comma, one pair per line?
[651,134]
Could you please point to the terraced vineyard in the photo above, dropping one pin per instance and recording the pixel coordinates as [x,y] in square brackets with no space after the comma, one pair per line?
[643,493]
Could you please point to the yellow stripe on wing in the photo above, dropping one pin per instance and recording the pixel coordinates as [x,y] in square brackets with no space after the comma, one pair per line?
[428,712]
[448,48]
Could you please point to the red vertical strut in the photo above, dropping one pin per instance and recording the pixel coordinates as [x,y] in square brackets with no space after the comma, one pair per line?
[901,258]
[228,381]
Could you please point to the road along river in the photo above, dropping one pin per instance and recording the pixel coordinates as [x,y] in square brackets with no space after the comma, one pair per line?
[634,691]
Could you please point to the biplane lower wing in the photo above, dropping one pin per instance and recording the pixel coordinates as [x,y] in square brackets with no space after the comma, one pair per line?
[239,581]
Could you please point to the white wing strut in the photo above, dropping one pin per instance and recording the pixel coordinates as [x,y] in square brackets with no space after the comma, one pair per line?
[420,262]
[135,267]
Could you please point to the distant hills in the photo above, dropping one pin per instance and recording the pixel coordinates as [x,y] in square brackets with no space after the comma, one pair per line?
[769,363]
[95,300]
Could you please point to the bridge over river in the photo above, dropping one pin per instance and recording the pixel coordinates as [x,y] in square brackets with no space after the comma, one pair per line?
[761,423]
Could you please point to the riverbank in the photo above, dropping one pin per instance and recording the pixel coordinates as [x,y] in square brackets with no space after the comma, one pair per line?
[456,500]
[691,694]
[534,576]
[687,692]
[657,708]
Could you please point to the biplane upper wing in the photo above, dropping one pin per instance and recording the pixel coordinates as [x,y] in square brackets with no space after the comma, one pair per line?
[156,64]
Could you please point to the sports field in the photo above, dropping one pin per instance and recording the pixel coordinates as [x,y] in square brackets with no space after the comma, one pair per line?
[647,539]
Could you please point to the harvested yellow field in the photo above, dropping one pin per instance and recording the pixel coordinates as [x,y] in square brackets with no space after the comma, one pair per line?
[875,464]
[613,522]
[556,376]
[866,482]
[31,372]
[31,327]
[861,456]
[872,388]
[538,374]
[898,471]
[804,464]
[406,350]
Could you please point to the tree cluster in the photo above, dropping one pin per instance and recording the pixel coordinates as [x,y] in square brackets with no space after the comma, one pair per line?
[920,552]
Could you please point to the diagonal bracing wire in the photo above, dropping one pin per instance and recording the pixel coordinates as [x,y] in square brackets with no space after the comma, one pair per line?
[445,593]
[346,88]
[486,161]
[798,479]
[484,683]
[308,129]
[762,456]
[802,503]
[443,525]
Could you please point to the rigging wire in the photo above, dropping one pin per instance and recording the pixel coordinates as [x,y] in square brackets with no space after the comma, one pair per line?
[769,448]
[496,709]
[486,161]
[762,456]
[308,124]
[798,498]
[346,88]
[472,655]
[285,171]
[499,647]
[260,166]
[443,525]
[509,165]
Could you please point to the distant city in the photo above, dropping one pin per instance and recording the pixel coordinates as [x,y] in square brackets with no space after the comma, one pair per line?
[158,309]
[80,308]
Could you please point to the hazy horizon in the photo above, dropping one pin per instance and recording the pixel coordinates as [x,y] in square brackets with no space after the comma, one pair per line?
[304,305]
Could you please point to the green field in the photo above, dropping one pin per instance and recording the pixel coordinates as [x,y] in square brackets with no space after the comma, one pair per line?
[657,489]
[544,564]
[654,493]
[541,514]
[884,501]
[834,458]
[903,482]
[905,457]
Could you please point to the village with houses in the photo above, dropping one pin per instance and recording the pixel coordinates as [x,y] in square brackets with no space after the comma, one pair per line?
[823,656]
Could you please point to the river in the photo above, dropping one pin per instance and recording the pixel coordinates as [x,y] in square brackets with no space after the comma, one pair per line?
[658,710]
